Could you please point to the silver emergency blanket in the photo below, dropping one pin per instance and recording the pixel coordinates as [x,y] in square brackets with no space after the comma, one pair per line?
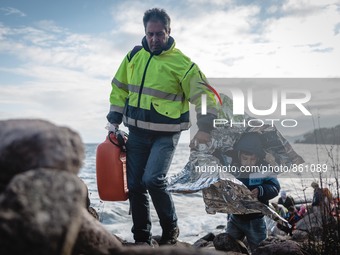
[227,196]
[222,192]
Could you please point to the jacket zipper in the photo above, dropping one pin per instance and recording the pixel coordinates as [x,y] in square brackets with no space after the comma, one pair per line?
[142,84]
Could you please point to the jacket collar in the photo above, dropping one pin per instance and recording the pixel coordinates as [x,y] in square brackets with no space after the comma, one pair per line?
[170,43]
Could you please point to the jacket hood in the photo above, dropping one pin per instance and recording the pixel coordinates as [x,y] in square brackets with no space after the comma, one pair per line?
[171,41]
[250,143]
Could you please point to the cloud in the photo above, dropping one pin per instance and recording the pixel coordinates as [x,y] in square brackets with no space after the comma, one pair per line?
[61,76]
[63,96]
[231,38]
[12,11]
[48,44]
[50,26]
[337,29]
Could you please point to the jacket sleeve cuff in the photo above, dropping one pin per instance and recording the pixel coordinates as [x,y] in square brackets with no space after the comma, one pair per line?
[261,191]
[114,117]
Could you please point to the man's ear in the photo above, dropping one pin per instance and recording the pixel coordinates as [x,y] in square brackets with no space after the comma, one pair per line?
[169,30]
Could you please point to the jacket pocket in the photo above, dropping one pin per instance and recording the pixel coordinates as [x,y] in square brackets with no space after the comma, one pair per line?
[166,109]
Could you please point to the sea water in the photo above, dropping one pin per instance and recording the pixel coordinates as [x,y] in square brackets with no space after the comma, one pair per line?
[193,220]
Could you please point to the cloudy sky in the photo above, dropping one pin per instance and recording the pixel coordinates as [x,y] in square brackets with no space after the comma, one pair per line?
[57,58]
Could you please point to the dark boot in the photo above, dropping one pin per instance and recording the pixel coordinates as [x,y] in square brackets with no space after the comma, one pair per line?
[169,237]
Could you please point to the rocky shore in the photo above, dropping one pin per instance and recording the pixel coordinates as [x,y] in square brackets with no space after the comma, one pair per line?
[44,206]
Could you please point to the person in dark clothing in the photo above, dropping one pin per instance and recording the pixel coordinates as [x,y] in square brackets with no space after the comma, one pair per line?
[317,196]
[250,153]
[286,201]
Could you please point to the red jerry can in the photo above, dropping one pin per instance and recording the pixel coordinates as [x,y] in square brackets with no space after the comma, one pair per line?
[111,170]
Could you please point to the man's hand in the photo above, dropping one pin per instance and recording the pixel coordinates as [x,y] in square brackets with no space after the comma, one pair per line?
[112,127]
[115,129]
[200,137]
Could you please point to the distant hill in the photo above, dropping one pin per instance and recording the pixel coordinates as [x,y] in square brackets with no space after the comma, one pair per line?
[322,136]
[293,139]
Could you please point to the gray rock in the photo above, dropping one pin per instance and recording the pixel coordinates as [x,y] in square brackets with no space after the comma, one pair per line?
[205,241]
[225,242]
[178,244]
[93,212]
[299,236]
[31,144]
[275,246]
[43,208]
[163,250]
[41,213]
[93,238]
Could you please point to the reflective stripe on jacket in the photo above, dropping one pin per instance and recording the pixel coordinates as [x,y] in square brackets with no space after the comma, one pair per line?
[153,91]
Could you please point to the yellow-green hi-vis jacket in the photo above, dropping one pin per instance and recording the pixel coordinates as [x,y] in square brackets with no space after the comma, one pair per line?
[152,91]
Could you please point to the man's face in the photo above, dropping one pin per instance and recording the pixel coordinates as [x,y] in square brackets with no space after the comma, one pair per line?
[248,160]
[156,35]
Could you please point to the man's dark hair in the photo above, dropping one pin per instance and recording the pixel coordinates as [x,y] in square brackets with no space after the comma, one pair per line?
[157,14]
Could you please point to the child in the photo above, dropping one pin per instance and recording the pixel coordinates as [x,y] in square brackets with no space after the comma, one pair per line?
[250,153]
[292,218]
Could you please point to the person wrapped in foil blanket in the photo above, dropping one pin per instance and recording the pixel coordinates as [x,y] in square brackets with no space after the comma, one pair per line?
[210,167]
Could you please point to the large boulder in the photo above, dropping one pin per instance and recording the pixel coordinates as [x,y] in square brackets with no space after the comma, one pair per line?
[30,144]
[41,213]
[276,246]
[42,200]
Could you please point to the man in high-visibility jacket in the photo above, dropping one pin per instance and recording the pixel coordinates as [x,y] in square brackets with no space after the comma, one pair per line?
[151,92]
